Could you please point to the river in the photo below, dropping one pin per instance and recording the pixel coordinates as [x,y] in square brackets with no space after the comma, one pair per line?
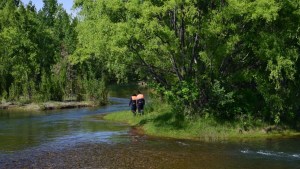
[79,138]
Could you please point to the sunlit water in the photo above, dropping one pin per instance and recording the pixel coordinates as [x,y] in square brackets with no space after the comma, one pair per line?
[27,138]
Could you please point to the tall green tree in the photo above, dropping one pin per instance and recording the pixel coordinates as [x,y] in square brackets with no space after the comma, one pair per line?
[19,51]
[229,58]
[260,57]
[34,52]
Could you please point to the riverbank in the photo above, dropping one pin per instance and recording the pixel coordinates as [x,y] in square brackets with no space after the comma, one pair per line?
[17,106]
[160,124]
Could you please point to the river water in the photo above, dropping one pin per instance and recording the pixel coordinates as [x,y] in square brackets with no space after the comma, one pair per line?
[79,138]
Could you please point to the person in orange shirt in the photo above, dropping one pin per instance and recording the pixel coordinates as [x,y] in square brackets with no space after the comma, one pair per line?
[140,103]
[132,103]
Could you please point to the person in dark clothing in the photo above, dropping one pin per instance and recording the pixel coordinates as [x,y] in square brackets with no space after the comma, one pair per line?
[140,103]
[133,103]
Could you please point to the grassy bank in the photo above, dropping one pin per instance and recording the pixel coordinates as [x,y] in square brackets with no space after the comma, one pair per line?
[18,106]
[162,123]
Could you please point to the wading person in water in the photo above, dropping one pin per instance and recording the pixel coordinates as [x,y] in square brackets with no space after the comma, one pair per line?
[132,103]
[140,103]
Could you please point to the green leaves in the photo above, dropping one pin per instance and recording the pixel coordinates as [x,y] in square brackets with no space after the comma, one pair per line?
[281,68]
[224,58]
[255,10]
[34,51]
[264,9]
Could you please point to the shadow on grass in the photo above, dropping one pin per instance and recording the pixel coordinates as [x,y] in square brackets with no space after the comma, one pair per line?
[143,122]
[170,120]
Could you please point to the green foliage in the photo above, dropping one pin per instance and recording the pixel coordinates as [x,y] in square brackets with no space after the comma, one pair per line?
[57,89]
[221,101]
[182,96]
[96,90]
[226,58]
[80,90]
[45,88]
[35,48]
[13,92]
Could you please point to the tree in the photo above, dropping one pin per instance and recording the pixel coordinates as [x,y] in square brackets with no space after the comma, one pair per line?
[34,51]
[227,57]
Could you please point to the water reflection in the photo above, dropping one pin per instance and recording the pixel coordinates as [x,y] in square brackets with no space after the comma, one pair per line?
[19,130]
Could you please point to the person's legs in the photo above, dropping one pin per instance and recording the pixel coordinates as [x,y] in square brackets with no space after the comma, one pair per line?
[133,110]
[141,109]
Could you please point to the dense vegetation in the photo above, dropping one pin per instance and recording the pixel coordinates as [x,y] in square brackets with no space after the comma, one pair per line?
[35,47]
[231,59]
[228,59]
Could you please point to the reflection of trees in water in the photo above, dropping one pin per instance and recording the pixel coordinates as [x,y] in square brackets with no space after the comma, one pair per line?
[20,130]
[17,134]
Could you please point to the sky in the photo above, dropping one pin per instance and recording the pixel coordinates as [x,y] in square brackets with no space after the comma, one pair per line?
[67,4]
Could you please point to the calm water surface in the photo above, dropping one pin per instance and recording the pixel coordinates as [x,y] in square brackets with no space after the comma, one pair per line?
[79,138]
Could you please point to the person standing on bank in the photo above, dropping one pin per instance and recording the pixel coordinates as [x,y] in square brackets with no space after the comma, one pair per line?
[140,103]
[132,103]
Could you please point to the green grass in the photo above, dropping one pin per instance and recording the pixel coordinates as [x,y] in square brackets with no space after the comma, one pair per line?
[163,123]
